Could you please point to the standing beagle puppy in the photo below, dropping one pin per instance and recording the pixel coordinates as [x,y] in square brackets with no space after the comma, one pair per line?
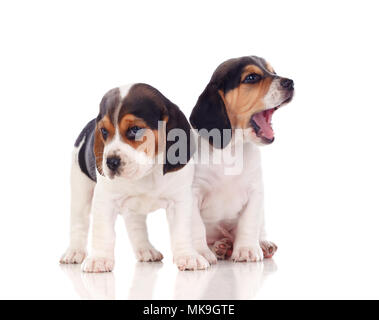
[116,168]
[241,96]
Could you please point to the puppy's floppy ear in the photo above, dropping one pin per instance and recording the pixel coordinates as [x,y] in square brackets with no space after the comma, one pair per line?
[210,113]
[177,120]
[98,149]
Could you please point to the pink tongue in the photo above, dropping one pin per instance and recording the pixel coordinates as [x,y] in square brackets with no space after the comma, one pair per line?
[260,120]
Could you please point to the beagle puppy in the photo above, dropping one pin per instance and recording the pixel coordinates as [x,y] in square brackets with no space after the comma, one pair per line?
[121,166]
[241,96]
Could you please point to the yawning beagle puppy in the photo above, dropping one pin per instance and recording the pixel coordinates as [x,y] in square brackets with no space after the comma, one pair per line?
[242,96]
[116,168]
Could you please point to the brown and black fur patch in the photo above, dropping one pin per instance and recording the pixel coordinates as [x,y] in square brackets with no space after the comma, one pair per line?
[109,104]
[99,142]
[246,99]
[149,140]
[91,152]
[85,155]
[143,106]
[149,105]
[144,102]
[226,103]
[177,120]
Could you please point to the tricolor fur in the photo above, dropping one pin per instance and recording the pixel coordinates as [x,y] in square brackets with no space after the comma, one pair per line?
[243,93]
[115,170]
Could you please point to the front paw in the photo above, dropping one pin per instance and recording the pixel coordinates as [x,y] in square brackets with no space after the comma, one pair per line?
[97,265]
[247,253]
[207,254]
[191,261]
[73,256]
[148,254]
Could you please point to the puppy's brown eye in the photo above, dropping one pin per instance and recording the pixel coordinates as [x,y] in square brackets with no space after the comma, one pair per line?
[104,133]
[252,78]
[134,133]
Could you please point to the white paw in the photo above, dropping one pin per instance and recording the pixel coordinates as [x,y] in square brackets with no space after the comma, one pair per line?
[148,254]
[73,256]
[191,261]
[92,264]
[208,254]
[247,253]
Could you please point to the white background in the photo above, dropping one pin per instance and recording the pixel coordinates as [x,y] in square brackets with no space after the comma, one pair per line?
[321,175]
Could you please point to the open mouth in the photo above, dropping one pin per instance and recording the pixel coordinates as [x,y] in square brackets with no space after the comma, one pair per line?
[261,123]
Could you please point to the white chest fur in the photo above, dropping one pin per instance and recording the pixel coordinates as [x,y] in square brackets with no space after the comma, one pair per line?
[148,194]
[221,196]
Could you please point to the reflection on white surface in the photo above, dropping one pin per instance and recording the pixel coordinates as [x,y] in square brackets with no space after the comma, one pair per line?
[226,280]
[91,286]
[144,279]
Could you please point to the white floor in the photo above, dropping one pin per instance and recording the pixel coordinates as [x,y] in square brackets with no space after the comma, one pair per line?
[300,270]
[157,280]
[267,280]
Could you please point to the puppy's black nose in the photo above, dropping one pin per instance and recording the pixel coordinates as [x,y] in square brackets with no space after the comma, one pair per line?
[287,84]
[113,163]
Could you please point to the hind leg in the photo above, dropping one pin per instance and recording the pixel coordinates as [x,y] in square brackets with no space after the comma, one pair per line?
[81,197]
[269,248]
[223,248]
